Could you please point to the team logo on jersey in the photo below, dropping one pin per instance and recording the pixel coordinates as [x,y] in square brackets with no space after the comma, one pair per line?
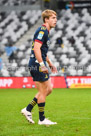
[48,42]
[43,28]
[40,35]
[46,76]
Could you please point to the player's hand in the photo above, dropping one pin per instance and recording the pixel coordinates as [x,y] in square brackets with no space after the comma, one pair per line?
[53,69]
[44,69]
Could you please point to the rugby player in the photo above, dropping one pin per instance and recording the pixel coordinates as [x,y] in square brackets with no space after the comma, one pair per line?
[38,67]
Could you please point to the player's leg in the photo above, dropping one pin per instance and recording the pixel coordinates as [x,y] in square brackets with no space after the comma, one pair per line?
[41,98]
[44,89]
[41,95]
[45,93]
[27,110]
[49,87]
[47,84]
[31,104]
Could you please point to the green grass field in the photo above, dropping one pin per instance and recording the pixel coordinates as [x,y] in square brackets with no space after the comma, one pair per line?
[70,108]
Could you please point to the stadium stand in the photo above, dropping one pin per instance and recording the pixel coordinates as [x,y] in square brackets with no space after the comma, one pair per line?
[15,2]
[12,27]
[76,57]
[73,26]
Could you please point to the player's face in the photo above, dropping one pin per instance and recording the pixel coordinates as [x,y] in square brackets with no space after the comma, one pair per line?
[52,21]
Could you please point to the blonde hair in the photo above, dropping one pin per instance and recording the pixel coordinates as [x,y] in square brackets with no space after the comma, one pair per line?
[47,13]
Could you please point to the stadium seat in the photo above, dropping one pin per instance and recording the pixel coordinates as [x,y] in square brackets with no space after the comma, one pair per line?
[14,2]
[76,23]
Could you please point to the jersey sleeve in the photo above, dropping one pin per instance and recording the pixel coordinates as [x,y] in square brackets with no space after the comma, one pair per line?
[41,36]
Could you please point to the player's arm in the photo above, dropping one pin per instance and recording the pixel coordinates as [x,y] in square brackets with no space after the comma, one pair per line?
[52,67]
[37,52]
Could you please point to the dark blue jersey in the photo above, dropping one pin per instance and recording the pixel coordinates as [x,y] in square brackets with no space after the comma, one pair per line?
[42,36]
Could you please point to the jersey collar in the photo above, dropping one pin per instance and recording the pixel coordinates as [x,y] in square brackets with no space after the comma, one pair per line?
[46,28]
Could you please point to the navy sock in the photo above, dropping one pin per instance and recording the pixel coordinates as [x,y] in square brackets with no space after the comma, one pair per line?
[31,105]
[41,111]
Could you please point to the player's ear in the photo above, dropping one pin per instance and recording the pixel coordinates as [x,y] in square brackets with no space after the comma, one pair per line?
[46,20]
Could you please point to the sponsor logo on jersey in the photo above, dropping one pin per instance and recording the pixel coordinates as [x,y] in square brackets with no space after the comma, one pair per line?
[40,35]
